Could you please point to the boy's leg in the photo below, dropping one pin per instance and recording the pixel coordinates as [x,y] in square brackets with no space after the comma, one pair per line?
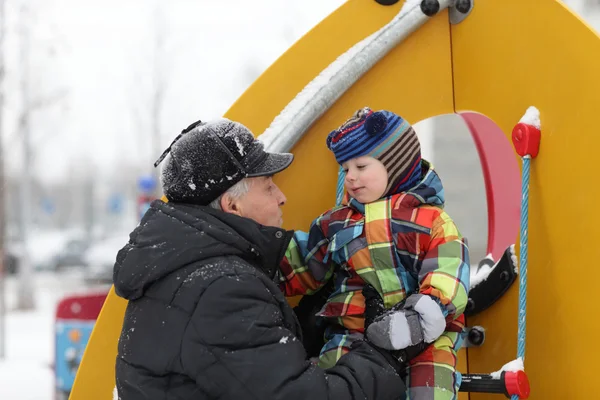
[432,374]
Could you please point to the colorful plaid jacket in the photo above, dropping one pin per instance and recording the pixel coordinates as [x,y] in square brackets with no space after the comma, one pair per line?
[401,244]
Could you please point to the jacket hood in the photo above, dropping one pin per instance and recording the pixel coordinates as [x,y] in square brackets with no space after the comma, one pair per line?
[174,235]
[429,190]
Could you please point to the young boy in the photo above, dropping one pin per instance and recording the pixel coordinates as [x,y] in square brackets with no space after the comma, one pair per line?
[390,233]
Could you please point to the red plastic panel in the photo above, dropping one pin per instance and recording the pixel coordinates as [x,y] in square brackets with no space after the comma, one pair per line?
[502,181]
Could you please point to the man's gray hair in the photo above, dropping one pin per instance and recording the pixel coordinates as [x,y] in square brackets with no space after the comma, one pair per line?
[235,192]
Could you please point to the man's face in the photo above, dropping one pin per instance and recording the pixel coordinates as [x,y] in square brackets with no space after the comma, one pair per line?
[262,203]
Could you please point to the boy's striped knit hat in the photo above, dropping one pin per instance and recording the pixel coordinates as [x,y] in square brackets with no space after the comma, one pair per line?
[384,136]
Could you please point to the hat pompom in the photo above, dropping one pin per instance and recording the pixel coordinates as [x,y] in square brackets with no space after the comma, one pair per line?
[376,123]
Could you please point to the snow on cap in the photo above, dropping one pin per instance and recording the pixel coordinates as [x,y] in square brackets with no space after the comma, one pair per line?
[206,159]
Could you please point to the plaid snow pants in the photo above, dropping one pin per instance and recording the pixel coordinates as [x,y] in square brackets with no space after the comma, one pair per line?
[431,375]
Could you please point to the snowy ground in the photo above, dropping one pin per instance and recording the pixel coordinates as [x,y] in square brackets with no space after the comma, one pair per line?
[26,372]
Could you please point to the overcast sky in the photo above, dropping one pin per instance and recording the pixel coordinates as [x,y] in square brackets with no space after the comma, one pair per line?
[94,58]
[100,53]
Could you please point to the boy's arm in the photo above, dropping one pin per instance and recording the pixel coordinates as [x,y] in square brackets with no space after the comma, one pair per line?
[444,272]
[305,268]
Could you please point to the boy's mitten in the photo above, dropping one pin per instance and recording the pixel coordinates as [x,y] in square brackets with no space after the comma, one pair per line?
[374,310]
[432,319]
[418,319]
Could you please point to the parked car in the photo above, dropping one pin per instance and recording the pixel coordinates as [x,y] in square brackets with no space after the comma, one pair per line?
[100,258]
[72,254]
[13,251]
[47,250]
[11,262]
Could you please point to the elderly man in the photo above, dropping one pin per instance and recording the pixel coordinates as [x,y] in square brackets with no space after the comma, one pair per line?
[206,319]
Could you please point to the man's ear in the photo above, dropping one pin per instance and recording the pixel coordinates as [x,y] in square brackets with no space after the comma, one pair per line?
[230,205]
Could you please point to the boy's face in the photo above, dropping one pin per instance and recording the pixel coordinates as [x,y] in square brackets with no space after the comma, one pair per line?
[366,179]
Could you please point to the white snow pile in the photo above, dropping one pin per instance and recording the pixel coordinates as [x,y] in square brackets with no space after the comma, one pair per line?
[532,117]
[513,366]
[486,266]
[321,82]
[513,258]
[483,271]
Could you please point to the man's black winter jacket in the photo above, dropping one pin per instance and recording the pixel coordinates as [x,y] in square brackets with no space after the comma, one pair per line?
[205,319]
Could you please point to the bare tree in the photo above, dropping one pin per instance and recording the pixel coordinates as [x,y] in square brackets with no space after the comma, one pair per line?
[583,6]
[159,81]
[151,85]
[25,300]
[592,5]
[30,103]
[2,182]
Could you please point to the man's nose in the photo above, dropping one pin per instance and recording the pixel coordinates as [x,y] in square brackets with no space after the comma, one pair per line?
[281,197]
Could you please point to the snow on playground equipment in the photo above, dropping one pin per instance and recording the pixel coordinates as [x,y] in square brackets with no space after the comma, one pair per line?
[500,59]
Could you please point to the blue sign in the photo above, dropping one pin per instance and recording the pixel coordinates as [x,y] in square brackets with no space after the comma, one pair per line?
[48,206]
[147,184]
[115,203]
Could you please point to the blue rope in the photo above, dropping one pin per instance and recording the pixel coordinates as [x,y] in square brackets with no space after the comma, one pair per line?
[523,261]
[339,195]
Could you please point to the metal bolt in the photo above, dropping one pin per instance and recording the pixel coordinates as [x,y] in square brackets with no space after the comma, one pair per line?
[476,336]
[470,304]
[430,7]
[463,6]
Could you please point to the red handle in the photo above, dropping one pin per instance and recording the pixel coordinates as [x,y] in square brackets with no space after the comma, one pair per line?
[517,383]
[526,139]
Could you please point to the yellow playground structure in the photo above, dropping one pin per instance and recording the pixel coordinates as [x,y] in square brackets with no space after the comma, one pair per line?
[488,60]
